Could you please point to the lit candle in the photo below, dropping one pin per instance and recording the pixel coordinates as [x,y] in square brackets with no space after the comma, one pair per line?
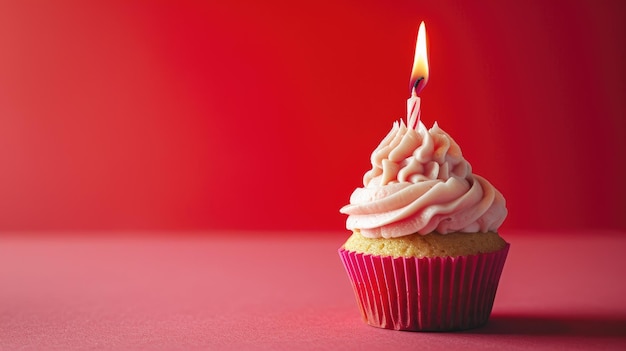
[419,78]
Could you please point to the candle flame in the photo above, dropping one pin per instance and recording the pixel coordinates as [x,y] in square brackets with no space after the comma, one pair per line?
[419,74]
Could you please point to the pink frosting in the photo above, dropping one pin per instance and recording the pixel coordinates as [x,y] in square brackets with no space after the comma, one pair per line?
[420,183]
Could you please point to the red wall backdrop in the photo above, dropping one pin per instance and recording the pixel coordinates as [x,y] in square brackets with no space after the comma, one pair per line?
[262,114]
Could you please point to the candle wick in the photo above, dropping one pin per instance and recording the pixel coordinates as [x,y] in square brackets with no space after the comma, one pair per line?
[417,82]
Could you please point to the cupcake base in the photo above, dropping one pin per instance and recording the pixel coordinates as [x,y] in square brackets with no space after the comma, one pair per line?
[425,294]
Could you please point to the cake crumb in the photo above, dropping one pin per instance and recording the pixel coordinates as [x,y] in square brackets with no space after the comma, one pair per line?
[429,245]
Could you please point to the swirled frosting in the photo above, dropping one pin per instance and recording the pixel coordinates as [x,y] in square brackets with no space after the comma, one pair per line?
[420,183]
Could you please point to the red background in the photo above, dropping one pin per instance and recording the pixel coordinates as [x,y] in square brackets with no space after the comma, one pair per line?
[263,114]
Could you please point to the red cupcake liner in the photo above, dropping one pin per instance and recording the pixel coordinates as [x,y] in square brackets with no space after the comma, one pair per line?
[425,294]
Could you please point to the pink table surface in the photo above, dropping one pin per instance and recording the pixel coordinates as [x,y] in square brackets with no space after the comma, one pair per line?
[255,291]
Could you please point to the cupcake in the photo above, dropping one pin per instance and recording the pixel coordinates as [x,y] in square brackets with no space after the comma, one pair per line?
[425,253]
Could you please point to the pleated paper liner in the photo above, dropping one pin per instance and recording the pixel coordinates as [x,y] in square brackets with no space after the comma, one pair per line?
[425,294]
